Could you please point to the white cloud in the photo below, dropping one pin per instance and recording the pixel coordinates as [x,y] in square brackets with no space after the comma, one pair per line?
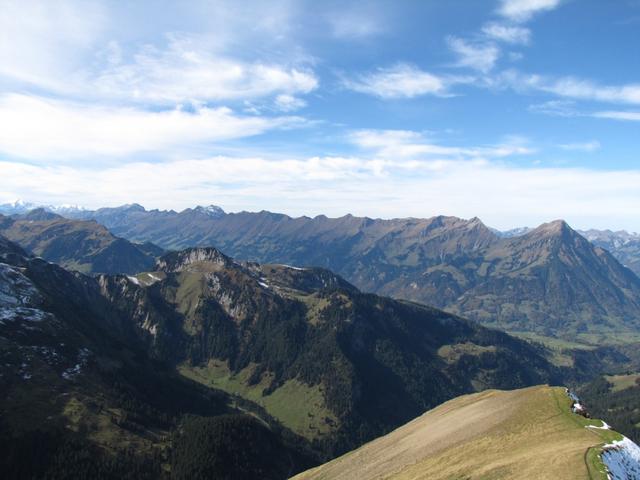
[41,41]
[289,103]
[618,115]
[481,57]
[186,71]
[38,128]
[570,87]
[393,144]
[502,195]
[591,146]
[507,33]
[556,108]
[524,10]
[105,51]
[399,81]
[567,108]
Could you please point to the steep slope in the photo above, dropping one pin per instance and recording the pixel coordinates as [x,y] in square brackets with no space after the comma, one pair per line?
[530,433]
[548,280]
[337,366]
[84,246]
[622,245]
[553,280]
[82,399]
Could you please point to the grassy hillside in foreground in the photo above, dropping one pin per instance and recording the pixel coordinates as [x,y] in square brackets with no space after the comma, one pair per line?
[526,433]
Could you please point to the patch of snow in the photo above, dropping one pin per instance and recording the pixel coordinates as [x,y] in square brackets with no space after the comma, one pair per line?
[83,357]
[69,373]
[149,327]
[263,284]
[210,210]
[155,277]
[578,407]
[15,287]
[12,314]
[605,426]
[622,459]
[294,268]
[133,280]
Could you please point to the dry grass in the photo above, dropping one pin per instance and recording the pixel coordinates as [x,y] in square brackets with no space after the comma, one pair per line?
[622,382]
[528,433]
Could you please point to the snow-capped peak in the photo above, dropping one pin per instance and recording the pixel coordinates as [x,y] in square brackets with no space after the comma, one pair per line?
[20,206]
[211,210]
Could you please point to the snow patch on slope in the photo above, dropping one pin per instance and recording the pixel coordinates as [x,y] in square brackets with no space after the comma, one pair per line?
[622,459]
[18,297]
[15,288]
[605,426]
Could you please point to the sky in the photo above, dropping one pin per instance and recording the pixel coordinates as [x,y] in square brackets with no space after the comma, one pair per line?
[515,111]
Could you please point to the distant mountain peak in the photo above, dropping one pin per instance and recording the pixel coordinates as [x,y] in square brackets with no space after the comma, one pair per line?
[39,214]
[555,227]
[135,207]
[210,210]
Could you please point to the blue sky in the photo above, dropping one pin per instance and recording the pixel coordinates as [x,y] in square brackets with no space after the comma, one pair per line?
[516,111]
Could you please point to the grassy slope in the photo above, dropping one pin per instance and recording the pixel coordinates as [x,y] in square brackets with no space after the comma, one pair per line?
[622,382]
[297,406]
[527,433]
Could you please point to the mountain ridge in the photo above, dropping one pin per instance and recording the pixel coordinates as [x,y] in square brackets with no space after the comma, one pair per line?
[459,265]
[83,245]
[528,433]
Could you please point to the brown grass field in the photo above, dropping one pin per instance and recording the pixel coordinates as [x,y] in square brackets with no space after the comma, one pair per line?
[522,434]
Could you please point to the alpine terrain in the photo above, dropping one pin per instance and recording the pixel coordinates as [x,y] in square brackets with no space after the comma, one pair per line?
[529,433]
[549,280]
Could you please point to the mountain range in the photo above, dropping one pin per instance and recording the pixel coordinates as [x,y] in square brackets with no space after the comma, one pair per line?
[549,280]
[93,363]
[623,245]
[191,363]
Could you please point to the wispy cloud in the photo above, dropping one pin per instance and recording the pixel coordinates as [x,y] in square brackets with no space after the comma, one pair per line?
[618,115]
[186,71]
[478,56]
[75,49]
[568,108]
[39,128]
[512,34]
[591,146]
[289,103]
[524,10]
[44,43]
[556,108]
[393,144]
[399,81]
[570,87]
